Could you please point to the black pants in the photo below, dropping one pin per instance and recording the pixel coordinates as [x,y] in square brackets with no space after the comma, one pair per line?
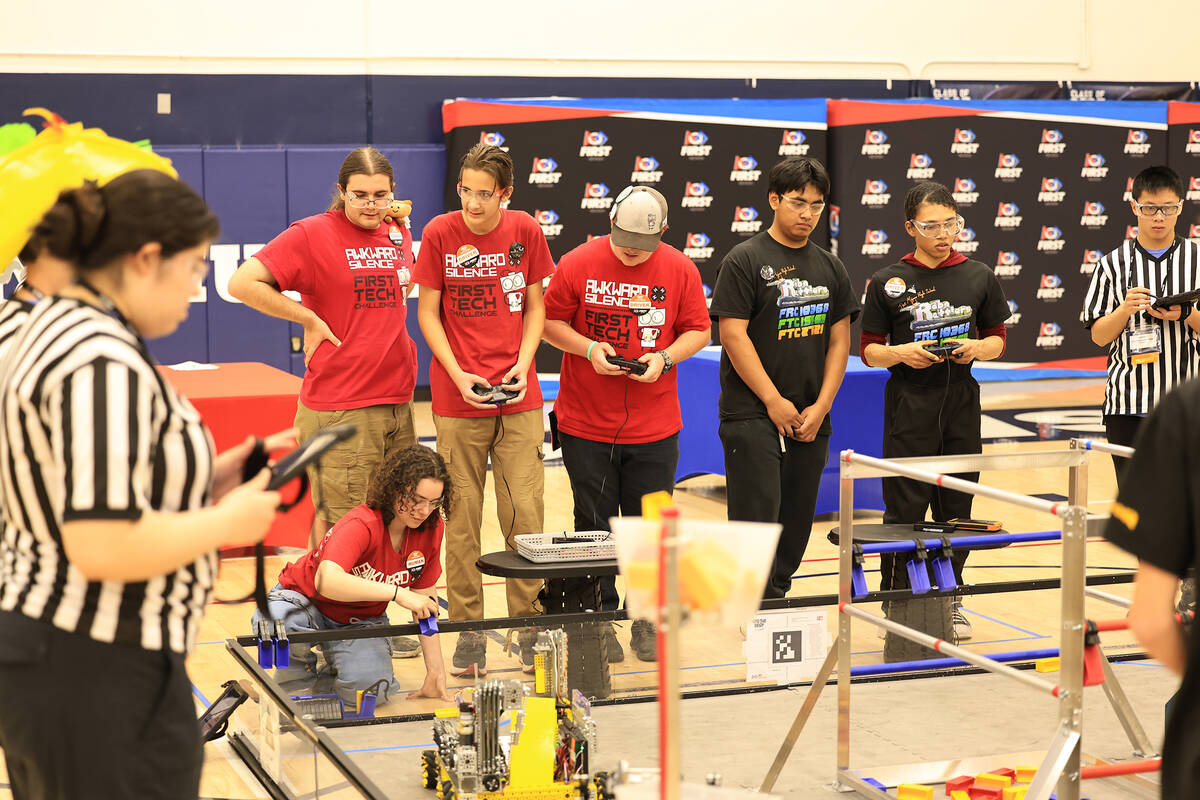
[1121,429]
[609,480]
[83,719]
[767,483]
[926,421]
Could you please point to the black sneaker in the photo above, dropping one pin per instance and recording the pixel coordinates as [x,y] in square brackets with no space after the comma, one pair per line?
[643,640]
[405,647]
[526,639]
[616,653]
[470,656]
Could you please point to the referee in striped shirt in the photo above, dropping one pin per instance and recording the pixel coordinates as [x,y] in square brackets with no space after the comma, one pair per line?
[1150,350]
[105,478]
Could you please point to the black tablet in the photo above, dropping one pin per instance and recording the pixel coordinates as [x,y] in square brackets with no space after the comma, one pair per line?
[216,717]
[1181,299]
[294,463]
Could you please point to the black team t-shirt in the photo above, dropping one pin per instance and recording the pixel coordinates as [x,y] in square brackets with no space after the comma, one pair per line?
[905,301]
[1156,519]
[791,297]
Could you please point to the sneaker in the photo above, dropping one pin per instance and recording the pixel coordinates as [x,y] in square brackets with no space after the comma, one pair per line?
[470,656]
[405,647]
[643,640]
[616,653]
[960,623]
[526,639]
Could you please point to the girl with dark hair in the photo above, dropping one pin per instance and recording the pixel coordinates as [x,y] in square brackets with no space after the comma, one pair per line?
[926,319]
[387,550]
[107,484]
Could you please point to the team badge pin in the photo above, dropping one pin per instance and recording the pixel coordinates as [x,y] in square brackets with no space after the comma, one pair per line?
[516,251]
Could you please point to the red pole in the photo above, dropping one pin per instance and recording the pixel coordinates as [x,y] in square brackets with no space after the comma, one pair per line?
[1123,768]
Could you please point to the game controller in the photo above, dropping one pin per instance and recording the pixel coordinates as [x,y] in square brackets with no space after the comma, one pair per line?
[636,367]
[943,348]
[494,394]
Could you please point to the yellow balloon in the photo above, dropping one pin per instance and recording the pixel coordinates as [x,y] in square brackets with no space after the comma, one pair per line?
[61,157]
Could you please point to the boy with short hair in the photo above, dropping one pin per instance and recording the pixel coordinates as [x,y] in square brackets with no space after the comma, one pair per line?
[480,308]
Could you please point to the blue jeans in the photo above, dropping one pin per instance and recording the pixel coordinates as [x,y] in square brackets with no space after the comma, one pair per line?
[358,663]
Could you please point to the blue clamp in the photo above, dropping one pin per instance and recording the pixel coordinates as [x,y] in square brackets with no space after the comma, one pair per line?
[918,572]
[858,578]
[428,625]
[266,647]
[943,566]
[283,648]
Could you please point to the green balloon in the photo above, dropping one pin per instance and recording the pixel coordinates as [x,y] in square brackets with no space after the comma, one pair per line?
[14,135]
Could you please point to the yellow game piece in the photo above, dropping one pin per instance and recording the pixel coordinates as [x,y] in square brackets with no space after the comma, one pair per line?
[1014,793]
[654,503]
[959,794]
[1025,774]
[914,791]
[992,779]
[1047,664]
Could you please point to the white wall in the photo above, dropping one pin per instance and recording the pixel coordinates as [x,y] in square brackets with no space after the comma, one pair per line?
[1103,40]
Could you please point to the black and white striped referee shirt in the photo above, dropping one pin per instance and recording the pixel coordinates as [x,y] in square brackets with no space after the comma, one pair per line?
[90,430]
[12,316]
[1137,388]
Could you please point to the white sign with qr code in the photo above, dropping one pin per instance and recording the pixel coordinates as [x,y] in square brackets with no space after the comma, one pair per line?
[785,646]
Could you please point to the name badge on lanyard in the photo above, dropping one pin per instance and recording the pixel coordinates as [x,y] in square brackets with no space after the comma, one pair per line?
[1145,343]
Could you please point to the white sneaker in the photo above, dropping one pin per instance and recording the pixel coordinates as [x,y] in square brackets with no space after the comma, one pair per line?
[962,625]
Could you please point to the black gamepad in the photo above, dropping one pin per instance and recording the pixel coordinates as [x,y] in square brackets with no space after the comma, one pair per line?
[636,367]
[943,348]
[494,394]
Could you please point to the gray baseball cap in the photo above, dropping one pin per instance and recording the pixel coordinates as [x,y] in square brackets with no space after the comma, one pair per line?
[639,217]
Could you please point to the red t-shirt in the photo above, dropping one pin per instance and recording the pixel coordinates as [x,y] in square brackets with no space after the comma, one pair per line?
[482,280]
[355,280]
[359,543]
[593,291]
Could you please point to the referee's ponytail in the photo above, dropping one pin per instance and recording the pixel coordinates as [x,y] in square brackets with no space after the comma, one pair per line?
[92,226]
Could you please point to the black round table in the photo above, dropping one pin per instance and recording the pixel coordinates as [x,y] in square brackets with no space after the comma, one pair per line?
[570,587]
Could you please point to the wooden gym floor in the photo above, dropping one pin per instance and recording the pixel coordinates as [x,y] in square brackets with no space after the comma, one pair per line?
[1018,417]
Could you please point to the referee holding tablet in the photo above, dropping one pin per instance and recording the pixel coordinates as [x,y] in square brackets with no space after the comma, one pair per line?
[1150,350]
[106,478]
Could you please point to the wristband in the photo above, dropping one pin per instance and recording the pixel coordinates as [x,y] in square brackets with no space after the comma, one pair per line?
[396,595]
[588,356]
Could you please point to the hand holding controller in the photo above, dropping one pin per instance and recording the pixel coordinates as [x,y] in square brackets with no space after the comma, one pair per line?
[496,395]
[636,367]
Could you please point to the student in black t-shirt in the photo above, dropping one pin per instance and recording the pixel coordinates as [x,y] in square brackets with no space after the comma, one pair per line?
[1155,518]
[784,307]
[933,301]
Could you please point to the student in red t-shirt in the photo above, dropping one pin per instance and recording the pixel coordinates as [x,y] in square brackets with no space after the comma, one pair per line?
[480,308]
[353,281]
[386,550]
[626,295]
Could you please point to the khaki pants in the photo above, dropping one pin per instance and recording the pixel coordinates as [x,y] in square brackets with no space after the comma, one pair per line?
[346,470]
[514,442]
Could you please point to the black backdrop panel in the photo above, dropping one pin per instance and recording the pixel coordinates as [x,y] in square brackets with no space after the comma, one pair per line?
[1183,142]
[1042,186]
[713,173]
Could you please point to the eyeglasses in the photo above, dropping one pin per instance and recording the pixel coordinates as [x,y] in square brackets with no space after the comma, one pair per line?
[1152,210]
[935,229]
[415,501]
[358,200]
[483,197]
[801,206]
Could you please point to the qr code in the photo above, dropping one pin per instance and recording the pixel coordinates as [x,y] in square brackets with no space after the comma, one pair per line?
[785,647]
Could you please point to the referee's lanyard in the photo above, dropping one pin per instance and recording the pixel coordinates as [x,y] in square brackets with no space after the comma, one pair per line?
[1143,339]
[114,312]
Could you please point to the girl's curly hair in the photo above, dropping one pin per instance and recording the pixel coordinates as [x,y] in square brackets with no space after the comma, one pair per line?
[397,479]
